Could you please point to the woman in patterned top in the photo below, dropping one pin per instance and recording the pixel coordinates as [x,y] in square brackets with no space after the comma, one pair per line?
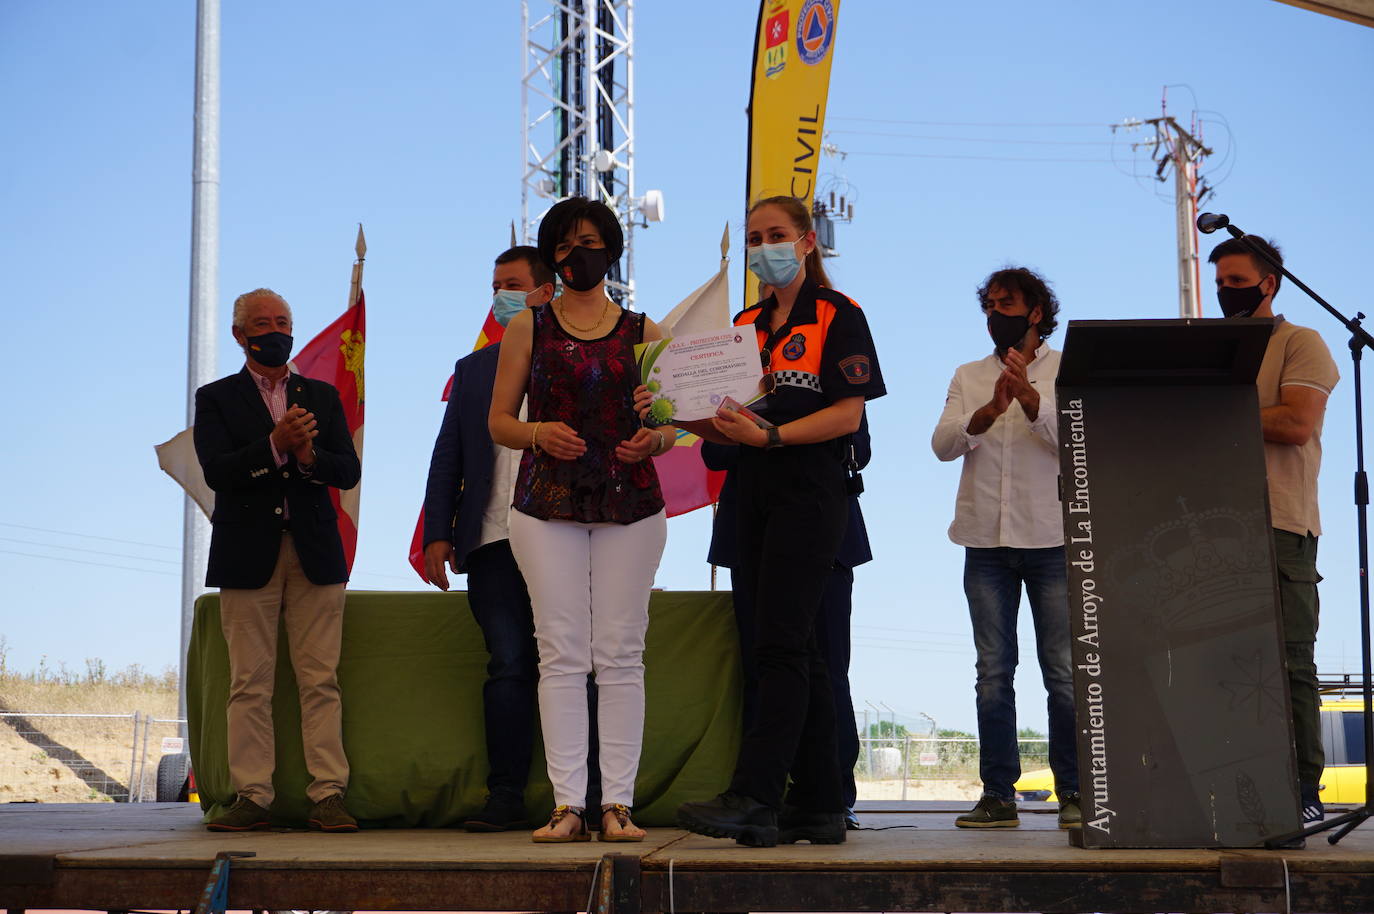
[588,527]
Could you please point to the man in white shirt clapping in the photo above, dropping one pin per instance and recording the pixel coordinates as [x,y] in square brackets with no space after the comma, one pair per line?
[1000,418]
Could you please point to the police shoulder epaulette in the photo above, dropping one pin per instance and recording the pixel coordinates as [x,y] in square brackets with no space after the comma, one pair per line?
[756,307]
[838,299]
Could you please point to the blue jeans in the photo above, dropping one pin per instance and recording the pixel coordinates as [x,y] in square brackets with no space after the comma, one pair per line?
[992,583]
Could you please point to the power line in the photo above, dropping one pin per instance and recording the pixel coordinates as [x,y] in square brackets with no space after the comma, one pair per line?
[922,155]
[959,636]
[54,558]
[884,120]
[89,536]
[117,555]
[970,139]
[889,646]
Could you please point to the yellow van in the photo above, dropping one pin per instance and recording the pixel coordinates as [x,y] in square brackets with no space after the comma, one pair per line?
[1342,737]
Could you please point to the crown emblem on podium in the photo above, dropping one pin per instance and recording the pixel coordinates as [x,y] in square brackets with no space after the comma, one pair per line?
[1203,569]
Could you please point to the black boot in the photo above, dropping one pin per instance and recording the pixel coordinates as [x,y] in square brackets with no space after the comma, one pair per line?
[731,815]
[817,827]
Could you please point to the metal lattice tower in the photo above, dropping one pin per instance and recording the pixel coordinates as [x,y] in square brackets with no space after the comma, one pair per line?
[577,115]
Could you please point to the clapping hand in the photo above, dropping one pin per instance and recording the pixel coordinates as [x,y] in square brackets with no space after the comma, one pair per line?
[295,433]
[1017,384]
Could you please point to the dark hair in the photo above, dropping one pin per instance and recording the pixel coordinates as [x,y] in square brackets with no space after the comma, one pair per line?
[564,216]
[1035,292]
[1235,246]
[801,218]
[542,274]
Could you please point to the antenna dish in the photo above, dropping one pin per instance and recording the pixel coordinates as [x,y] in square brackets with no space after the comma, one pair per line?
[651,206]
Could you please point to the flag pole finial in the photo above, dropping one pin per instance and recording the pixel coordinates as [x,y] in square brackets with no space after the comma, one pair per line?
[356,284]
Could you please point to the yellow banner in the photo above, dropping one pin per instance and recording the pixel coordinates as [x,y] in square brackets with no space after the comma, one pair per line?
[792,53]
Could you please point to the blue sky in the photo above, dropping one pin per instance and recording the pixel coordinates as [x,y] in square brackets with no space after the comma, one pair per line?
[406,117]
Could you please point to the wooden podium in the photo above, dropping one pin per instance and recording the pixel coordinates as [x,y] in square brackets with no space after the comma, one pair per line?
[1184,730]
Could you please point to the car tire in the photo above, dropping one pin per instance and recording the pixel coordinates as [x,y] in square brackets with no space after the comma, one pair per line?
[172,784]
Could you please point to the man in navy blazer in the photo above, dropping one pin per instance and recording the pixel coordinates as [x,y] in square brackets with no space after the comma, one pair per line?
[832,622]
[467,504]
[272,444]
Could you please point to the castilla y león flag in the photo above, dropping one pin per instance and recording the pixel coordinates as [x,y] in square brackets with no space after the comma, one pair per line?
[336,356]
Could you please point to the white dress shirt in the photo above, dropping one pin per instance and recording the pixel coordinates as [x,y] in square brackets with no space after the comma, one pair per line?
[1009,489]
[505,468]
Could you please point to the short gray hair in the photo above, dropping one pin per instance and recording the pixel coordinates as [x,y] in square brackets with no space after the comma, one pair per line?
[241,304]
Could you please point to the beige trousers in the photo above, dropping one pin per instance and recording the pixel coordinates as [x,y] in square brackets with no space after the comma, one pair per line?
[314,629]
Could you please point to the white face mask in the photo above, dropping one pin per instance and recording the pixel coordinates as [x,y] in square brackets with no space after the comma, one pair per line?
[775,264]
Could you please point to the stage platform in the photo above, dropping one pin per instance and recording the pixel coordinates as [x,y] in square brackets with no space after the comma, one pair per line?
[141,856]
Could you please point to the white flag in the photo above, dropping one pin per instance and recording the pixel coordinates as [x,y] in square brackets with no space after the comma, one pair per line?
[178,460]
[708,308]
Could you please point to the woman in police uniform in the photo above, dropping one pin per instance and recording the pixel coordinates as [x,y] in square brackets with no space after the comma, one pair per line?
[819,367]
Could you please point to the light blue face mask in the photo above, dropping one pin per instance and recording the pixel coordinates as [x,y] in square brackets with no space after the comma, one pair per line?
[775,264]
[506,303]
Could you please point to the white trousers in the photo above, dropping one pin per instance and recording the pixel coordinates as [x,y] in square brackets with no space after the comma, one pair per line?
[589,587]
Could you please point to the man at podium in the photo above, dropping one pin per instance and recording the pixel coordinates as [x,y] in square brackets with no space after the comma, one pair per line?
[1294,381]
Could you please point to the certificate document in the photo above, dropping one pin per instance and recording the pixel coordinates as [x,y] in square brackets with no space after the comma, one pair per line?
[690,376]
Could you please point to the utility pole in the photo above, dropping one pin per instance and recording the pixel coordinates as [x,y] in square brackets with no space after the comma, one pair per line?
[195,537]
[1177,148]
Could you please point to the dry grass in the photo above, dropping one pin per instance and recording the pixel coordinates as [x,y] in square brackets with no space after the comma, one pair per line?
[28,772]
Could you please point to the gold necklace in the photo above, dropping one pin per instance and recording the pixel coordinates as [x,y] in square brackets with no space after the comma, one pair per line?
[563,316]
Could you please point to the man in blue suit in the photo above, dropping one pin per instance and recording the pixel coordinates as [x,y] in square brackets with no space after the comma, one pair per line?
[272,443]
[832,623]
[467,506]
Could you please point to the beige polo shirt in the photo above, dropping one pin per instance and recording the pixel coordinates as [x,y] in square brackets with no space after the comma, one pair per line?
[1295,356]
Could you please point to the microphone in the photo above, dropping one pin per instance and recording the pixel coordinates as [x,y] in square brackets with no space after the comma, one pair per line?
[1208,223]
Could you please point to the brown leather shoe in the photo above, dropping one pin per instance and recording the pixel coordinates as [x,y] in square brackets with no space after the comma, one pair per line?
[330,815]
[244,815]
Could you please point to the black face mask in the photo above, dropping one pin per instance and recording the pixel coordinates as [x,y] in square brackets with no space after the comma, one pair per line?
[270,349]
[582,268]
[1240,302]
[1007,330]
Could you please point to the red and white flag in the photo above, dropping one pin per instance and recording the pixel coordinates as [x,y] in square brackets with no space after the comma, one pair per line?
[491,333]
[335,355]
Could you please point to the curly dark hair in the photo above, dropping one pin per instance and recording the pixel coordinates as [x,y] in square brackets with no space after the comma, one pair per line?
[1034,289]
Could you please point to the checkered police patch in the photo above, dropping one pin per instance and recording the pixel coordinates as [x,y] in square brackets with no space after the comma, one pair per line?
[791,378]
[856,369]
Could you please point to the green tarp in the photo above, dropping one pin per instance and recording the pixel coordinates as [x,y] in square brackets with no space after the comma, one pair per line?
[411,672]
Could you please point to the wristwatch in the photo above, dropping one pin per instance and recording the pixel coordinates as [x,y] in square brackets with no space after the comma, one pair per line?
[774,437]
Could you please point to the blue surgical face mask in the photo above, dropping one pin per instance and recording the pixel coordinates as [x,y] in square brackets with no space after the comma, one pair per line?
[506,303]
[775,264]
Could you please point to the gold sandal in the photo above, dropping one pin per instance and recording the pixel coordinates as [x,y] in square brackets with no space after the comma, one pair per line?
[559,814]
[622,818]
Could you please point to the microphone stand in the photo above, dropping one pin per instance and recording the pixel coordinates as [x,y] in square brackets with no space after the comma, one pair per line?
[1359,339]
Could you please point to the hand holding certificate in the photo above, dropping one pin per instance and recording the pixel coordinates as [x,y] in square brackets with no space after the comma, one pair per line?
[691,376]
